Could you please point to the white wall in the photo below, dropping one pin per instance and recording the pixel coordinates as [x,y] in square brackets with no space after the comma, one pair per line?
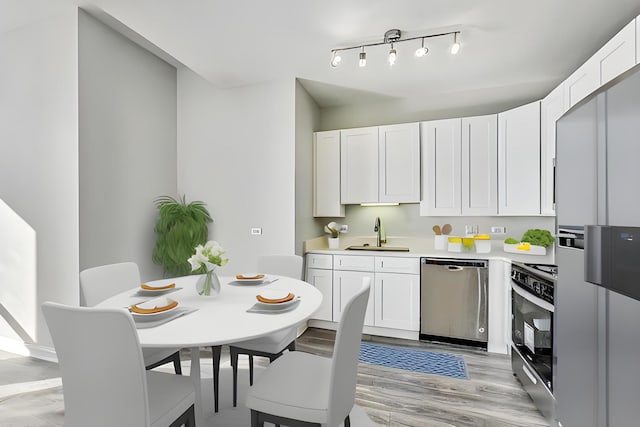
[413,110]
[128,132]
[307,121]
[236,152]
[39,169]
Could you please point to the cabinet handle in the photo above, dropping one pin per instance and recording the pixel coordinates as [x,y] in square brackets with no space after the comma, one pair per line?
[381,264]
[381,305]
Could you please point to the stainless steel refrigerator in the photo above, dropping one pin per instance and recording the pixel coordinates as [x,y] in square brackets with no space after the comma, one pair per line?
[597,301]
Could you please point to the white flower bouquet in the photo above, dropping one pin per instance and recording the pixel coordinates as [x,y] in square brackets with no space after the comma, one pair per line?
[205,260]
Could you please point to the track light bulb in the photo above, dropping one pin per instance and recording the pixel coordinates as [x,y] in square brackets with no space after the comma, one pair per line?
[336,59]
[421,51]
[393,55]
[363,58]
[455,47]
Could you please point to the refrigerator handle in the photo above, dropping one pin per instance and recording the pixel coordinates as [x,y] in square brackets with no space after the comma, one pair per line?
[595,236]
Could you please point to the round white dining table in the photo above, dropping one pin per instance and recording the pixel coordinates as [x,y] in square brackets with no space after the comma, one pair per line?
[219,320]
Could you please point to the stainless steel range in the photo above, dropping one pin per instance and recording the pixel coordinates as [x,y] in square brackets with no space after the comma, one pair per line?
[532,310]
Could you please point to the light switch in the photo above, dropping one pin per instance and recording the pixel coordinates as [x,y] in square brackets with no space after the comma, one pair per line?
[256,231]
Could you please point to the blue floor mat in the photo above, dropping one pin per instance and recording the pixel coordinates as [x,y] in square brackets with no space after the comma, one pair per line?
[413,360]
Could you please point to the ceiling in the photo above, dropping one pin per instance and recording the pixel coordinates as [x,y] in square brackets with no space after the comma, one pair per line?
[512,51]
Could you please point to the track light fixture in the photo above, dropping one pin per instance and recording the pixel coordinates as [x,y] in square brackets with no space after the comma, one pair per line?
[336,59]
[455,47]
[392,37]
[393,55]
[421,51]
[363,58]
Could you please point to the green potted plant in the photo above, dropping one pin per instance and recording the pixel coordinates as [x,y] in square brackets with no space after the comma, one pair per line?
[180,227]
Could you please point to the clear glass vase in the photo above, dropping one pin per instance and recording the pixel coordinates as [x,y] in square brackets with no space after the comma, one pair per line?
[208,284]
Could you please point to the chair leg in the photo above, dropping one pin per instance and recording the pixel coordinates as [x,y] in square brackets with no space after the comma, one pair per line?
[169,359]
[250,369]
[347,422]
[216,374]
[234,367]
[254,419]
[176,363]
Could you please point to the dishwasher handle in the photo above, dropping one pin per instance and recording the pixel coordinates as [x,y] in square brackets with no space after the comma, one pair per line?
[455,262]
[454,268]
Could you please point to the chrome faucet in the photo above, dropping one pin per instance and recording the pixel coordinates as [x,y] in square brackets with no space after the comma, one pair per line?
[379,229]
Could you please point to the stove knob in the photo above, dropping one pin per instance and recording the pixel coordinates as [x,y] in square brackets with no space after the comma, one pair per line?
[536,286]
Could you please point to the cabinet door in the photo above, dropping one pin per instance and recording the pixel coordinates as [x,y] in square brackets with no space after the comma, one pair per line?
[582,82]
[551,109]
[359,165]
[399,163]
[480,165]
[618,55]
[441,145]
[326,175]
[519,160]
[397,301]
[323,281]
[345,286]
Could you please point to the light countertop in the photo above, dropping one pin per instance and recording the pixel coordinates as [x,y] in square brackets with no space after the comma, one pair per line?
[421,247]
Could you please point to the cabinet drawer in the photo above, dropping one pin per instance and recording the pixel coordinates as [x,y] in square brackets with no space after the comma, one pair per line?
[320,261]
[353,263]
[397,265]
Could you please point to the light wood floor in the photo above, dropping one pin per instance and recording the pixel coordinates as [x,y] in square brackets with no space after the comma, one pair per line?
[31,393]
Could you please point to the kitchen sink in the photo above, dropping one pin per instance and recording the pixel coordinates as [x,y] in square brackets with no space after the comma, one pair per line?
[376,248]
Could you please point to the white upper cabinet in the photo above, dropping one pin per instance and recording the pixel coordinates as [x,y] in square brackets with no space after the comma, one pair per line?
[614,58]
[326,174]
[399,163]
[618,55]
[441,154]
[480,165]
[380,164]
[460,166]
[551,109]
[519,160]
[359,165]
[582,82]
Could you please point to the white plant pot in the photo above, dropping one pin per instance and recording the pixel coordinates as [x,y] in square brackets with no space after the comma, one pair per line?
[334,242]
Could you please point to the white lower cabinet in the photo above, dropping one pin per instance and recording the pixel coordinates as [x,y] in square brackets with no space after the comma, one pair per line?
[397,301]
[394,300]
[323,281]
[345,286]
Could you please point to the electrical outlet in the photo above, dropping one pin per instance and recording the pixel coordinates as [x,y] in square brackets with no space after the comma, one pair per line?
[256,231]
[499,230]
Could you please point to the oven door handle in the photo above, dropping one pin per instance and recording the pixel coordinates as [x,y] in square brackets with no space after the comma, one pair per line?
[532,298]
[529,374]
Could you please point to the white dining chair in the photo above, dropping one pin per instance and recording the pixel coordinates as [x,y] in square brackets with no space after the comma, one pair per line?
[273,345]
[302,389]
[104,382]
[100,283]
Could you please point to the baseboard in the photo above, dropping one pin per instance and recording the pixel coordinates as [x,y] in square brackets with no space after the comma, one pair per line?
[369,330]
[31,350]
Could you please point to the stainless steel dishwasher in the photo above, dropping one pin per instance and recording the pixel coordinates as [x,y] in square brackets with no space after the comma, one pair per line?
[453,300]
